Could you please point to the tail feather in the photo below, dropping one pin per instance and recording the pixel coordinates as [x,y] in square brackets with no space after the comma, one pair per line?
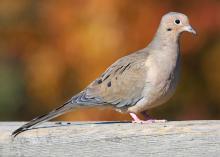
[38,120]
[79,99]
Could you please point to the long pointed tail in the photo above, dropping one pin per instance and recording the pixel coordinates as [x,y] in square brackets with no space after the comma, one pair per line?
[38,120]
[80,99]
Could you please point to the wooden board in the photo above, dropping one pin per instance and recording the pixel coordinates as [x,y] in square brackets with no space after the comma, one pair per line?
[95,139]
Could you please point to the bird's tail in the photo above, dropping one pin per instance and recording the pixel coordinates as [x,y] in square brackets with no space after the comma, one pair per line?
[80,99]
[38,120]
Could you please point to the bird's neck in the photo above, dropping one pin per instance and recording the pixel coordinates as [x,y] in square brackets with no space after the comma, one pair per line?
[165,46]
[164,40]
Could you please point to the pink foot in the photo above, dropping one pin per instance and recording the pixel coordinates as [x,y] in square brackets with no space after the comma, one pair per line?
[137,120]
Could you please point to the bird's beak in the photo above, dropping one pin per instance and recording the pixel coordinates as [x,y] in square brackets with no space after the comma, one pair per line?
[190,29]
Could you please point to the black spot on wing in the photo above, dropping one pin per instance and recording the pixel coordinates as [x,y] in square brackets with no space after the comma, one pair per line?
[99,81]
[109,84]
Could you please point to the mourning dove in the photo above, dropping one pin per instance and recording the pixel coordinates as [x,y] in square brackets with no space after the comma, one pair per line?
[137,82]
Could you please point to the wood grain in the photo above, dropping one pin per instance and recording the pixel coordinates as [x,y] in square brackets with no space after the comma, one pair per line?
[95,139]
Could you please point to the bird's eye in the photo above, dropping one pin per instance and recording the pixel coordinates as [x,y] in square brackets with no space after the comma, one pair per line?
[177,21]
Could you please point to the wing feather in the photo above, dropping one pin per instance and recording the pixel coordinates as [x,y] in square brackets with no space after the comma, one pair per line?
[122,83]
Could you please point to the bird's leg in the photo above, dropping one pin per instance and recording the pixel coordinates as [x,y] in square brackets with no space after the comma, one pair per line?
[136,119]
[148,119]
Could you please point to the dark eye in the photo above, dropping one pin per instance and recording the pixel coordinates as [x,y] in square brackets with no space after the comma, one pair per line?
[177,21]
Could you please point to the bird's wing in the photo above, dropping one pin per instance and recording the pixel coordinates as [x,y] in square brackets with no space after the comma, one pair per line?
[121,84]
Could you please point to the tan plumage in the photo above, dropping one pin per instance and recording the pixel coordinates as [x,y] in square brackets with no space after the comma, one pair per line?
[122,83]
[137,82]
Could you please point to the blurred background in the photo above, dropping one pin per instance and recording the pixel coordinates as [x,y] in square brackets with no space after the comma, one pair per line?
[51,50]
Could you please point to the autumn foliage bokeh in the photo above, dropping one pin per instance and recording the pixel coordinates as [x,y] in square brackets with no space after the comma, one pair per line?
[50,50]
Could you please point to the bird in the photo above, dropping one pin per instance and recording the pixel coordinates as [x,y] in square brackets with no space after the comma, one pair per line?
[137,82]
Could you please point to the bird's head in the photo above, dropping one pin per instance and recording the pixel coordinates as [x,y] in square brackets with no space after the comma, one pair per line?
[176,23]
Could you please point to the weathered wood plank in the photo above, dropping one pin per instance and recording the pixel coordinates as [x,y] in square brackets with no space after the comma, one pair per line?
[93,139]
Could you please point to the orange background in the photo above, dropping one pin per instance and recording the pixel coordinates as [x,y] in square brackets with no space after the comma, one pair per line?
[50,50]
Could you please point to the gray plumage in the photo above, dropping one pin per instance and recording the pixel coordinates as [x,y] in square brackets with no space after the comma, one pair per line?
[137,82]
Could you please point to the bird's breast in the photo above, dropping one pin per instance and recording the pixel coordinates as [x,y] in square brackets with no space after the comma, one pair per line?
[161,79]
